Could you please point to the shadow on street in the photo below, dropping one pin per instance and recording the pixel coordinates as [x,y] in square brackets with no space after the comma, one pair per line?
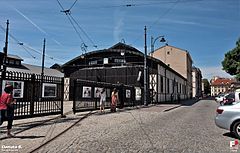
[230,134]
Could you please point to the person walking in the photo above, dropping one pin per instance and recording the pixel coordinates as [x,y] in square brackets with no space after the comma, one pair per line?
[114,100]
[7,108]
[102,100]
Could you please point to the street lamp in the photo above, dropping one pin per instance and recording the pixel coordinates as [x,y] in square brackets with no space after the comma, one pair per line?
[154,40]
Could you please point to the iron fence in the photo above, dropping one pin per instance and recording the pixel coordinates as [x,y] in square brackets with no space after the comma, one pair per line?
[86,95]
[35,95]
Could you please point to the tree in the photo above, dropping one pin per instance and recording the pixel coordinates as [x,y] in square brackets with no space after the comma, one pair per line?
[207,88]
[231,62]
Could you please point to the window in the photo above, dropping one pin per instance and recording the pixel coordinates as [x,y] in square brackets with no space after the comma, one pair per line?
[161,84]
[177,86]
[117,60]
[180,88]
[11,61]
[17,62]
[168,52]
[105,60]
[168,85]
[93,62]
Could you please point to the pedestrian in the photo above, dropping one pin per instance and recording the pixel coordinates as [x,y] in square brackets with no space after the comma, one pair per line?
[102,100]
[114,100]
[7,108]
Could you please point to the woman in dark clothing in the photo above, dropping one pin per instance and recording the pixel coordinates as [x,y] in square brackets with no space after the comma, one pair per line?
[7,108]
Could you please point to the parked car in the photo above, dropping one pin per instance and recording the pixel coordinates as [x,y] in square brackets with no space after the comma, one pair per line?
[228,116]
[229,98]
[219,98]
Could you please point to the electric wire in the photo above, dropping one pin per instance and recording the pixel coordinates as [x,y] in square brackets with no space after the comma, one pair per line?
[72,21]
[160,17]
[73,4]
[27,47]
[94,45]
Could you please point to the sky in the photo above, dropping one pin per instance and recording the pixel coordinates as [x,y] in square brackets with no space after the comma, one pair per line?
[207,29]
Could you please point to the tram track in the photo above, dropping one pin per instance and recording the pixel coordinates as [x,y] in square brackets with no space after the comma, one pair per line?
[35,124]
[60,134]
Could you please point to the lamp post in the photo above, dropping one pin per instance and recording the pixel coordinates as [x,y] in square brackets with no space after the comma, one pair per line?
[5,50]
[152,50]
[145,66]
[154,40]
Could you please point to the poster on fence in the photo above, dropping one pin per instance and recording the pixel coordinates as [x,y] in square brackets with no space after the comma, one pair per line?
[138,94]
[18,87]
[97,92]
[86,92]
[128,93]
[49,90]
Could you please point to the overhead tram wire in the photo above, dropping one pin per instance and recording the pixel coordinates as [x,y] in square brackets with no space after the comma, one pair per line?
[138,5]
[72,21]
[164,14]
[19,43]
[27,48]
[94,45]
[73,4]
[67,12]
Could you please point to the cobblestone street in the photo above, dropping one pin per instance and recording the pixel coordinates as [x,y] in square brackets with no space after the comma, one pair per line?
[189,128]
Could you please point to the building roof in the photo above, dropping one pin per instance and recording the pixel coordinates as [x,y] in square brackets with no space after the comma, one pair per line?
[222,81]
[27,68]
[14,57]
[120,47]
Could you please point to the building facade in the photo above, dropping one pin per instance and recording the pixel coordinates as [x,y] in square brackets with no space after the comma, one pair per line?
[197,88]
[177,59]
[221,85]
[124,64]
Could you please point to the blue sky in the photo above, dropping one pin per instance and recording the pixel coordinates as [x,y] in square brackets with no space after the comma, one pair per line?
[206,28]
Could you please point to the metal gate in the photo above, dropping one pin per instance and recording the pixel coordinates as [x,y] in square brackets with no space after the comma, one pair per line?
[35,95]
[86,95]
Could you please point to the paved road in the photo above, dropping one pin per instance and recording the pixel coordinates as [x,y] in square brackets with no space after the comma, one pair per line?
[189,128]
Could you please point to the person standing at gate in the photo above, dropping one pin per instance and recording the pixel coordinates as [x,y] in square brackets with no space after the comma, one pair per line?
[7,108]
[102,100]
[114,100]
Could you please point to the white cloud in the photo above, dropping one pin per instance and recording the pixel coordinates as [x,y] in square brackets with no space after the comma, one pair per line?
[36,26]
[119,24]
[209,72]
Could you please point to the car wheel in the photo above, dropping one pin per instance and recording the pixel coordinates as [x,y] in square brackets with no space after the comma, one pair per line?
[236,129]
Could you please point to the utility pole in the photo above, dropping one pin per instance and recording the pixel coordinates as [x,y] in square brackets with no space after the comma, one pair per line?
[43,59]
[5,49]
[145,67]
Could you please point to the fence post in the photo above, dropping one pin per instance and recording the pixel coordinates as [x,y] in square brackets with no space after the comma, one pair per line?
[33,94]
[74,99]
[62,96]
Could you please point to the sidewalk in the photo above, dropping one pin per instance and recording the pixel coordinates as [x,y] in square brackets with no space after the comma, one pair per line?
[33,132]
[67,110]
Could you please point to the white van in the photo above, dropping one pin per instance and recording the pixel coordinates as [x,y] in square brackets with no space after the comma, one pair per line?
[237,95]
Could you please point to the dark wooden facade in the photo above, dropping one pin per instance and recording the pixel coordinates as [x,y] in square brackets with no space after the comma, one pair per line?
[120,64]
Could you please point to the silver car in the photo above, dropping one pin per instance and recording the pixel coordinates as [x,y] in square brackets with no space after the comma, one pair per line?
[228,117]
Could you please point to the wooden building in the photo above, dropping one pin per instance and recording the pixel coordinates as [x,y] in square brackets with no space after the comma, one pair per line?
[124,64]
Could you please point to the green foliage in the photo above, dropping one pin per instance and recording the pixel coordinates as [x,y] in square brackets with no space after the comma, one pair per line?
[231,62]
[207,88]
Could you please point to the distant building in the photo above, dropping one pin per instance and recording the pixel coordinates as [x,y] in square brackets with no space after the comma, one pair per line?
[196,82]
[220,85]
[14,63]
[179,60]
